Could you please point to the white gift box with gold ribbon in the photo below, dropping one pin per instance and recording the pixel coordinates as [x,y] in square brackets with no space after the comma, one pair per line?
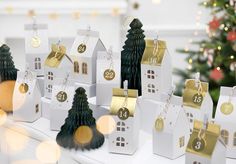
[125,112]
[108,76]
[26,98]
[225,117]
[156,69]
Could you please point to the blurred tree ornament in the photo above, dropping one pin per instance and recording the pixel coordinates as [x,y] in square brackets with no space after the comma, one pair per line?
[216,74]
[232,2]
[231,36]
[214,24]
[136,5]
[233,66]
[234,46]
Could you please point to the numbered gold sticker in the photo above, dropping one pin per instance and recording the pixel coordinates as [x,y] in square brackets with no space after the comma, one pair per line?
[61,96]
[197,99]
[35,42]
[123,113]
[227,108]
[159,124]
[198,144]
[23,88]
[109,74]
[82,48]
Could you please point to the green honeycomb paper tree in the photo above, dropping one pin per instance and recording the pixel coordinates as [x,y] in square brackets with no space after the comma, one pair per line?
[7,67]
[80,115]
[131,56]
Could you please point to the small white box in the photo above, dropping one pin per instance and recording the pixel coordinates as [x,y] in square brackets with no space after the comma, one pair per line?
[45,103]
[57,118]
[26,98]
[40,80]
[98,111]
[90,88]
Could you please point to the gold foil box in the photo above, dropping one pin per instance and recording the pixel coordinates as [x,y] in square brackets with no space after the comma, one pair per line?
[118,100]
[151,58]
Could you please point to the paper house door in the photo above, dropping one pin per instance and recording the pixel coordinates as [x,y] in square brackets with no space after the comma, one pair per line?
[36,46]
[209,149]
[225,117]
[62,98]
[124,139]
[156,70]
[84,54]
[108,76]
[26,98]
[171,141]
[196,105]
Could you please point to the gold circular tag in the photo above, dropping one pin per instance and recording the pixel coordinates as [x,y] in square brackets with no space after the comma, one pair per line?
[159,124]
[23,88]
[61,96]
[35,42]
[109,74]
[82,48]
[197,99]
[198,144]
[123,113]
[227,108]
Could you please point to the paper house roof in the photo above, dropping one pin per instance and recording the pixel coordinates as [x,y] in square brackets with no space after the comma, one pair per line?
[57,55]
[118,100]
[212,136]
[151,58]
[226,91]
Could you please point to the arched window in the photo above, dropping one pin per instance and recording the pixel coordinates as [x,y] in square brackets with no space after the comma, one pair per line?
[37,63]
[76,67]
[50,76]
[151,88]
[235,139]
[190,117]
[225,136]
[36,108]
[195,162]
[49,88]
[181,142]
[120,141]
[120,126]
[84,68]
[150,74]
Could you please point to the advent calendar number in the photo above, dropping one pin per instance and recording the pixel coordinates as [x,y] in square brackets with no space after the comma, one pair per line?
[62,96]
[198,144]
[81,48]
[123,113]
[197,99]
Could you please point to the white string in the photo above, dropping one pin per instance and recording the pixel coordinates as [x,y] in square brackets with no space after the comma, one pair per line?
[110,57]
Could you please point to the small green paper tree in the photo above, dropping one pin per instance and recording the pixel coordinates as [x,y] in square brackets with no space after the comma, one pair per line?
[79,115]
[131,56]
[7,67]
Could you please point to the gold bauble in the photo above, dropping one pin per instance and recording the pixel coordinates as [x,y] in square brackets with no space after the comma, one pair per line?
[6,95]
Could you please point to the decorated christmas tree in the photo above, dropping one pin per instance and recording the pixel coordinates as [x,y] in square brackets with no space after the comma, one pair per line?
[216,57]
[131,56]
[79,130]
[7,67]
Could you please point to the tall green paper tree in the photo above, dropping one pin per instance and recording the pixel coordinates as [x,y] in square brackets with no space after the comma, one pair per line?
[131,56]
[216,57]
[79,115]
[7,67]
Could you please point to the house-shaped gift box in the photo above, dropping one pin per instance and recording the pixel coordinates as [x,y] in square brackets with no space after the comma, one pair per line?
[226,118]
[156,69]
[205,147]
[124,139]
[171,136]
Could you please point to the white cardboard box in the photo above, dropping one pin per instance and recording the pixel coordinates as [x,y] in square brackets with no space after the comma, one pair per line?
[40,80]
[98,111]
[45,103]
[90,88]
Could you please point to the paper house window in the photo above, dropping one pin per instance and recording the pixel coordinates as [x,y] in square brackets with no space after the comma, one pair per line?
[225,136]
[76,67]
[49,88]
[36,108]
[37,63]
[190,117]
[84,68]
[120,141]
[181,141]
[151,88]
[50,76]
[235,139]
[150,74]
[196,162]
[120,126]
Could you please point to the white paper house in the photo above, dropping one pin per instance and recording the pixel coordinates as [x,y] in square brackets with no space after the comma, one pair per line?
[171,141]
[26,98]
[214,151]
[226,118]
[36,56]
[156,70]
[196,110]
[85,60]
[124,139]
[57,64]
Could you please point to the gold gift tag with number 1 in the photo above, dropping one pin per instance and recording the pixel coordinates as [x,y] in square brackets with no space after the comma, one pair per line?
[61,96]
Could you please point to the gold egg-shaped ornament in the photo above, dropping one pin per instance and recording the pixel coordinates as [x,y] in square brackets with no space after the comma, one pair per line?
[23,88]
[227,108]
[6,95]
[159,124]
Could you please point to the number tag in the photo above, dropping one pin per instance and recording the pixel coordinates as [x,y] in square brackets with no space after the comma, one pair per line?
[159,124]
[82,48]
[109,74]
[23,88]
[227,108]
[61,96]
[197,99]
[198,145]
[123,113]
[35,42]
